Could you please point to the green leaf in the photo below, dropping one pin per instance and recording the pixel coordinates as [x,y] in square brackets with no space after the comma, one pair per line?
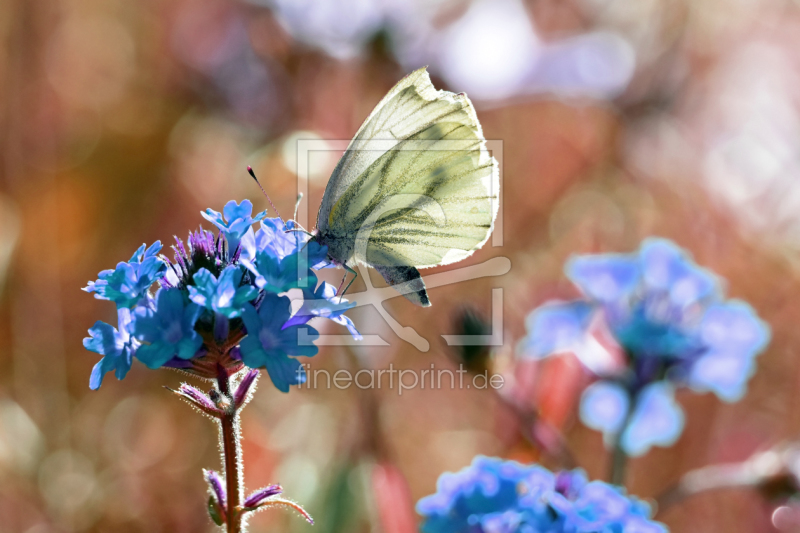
[215,511]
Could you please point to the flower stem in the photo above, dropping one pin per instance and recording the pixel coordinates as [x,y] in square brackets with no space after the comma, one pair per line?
[619,459]
[231,452]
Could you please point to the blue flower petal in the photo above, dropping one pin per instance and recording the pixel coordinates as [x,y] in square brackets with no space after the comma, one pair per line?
[234,211]
[725,375]
[300,339]
[168,331]
[116,346]
[156,355]
[225,295]
[657,420]
[733,327]
[285,371]
[640,524]
[666,267]
[604,407]
[733,335]
[280,275]
[597,505]
[236,221]
[605,278]
[129,282]
[496,496]
[556,327]
[268,344]
[322,302]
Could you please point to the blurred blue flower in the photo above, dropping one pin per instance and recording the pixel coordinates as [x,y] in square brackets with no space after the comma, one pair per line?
[269,343]
[656,420]
[129,281]
[115,345]
[494,496]
[225,295]
[168,331]
[234,221]
[671,321]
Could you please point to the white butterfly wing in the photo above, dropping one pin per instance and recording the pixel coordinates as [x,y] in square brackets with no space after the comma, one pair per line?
[415,188]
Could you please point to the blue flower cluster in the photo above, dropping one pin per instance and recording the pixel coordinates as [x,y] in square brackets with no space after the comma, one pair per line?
[674,328]
[497,496]
[220,305]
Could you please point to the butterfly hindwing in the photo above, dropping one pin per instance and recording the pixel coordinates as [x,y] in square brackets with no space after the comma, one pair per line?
[407,281]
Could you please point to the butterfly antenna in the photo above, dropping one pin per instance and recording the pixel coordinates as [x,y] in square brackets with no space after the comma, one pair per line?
[297,204]
[253,175]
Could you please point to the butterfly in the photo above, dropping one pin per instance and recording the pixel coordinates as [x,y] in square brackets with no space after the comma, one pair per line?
[416,188]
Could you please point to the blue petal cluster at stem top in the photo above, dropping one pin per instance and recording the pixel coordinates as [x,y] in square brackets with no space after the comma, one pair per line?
[673,324]
[216,290]
[127,284]
[497,496]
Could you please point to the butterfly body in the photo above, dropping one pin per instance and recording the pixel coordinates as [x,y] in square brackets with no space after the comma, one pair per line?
[416,188]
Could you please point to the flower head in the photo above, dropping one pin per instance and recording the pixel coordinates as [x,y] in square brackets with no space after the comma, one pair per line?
[218,308]
[129,281]
[496,496]
[670,320]
[115,345]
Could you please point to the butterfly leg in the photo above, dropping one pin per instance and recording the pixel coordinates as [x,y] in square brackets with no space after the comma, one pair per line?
[355,275]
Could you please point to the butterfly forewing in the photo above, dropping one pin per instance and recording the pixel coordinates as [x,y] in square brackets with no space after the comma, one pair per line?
[416,187]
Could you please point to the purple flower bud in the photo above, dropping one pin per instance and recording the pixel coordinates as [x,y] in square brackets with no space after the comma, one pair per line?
[262,494]
[244,387]
[235,353]
[215,483]
[196,396]
[569,483]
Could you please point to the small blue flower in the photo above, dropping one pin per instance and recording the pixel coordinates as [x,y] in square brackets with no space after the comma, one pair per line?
[671,321]
[272,237]
[234,221]
[168,331]
[278,275]
[128,282]
[115,345]
[497,496]
[657,419]
[604,407]
[734,335]
[322,302]
[269,344]
[558,327]
[225,295]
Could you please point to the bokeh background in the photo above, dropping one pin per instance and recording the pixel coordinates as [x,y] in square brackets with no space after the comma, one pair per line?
[120,121]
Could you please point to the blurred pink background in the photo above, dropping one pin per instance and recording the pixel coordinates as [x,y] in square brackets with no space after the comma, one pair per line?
[120,121]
